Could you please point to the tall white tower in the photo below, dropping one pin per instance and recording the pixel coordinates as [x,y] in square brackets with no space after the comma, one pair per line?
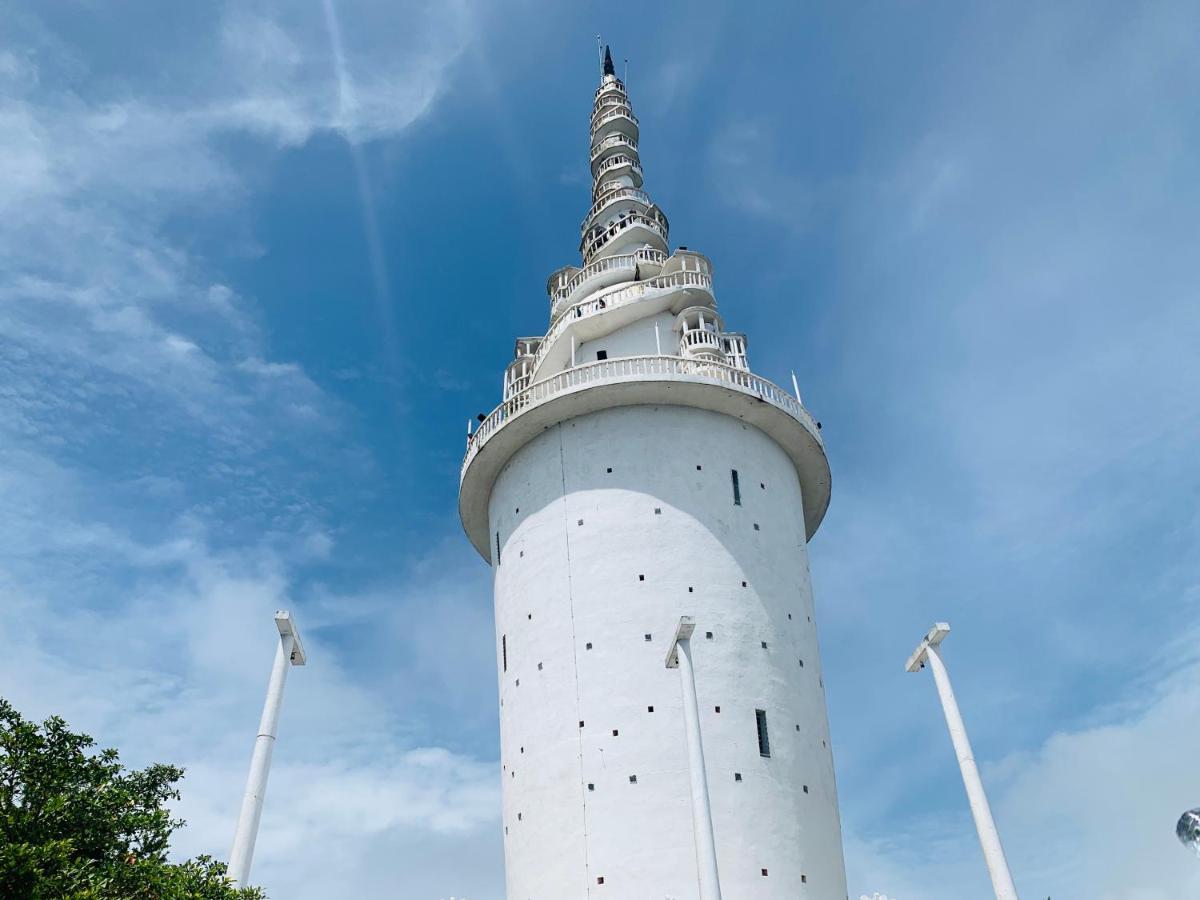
[636,472]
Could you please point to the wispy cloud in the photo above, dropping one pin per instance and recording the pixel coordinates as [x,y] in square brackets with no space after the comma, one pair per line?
[161,467]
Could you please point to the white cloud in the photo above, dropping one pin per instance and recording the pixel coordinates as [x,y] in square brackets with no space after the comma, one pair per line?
[145,432]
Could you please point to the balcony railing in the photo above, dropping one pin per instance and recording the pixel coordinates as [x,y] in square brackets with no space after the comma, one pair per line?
[631,293]
[613,140]
[656,223]
[619,160]
[608,104]
[618,114]
[701,340]
[645,254]
[624,193]
[635,367]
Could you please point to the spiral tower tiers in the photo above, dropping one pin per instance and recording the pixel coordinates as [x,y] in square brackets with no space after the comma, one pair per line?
[638,471]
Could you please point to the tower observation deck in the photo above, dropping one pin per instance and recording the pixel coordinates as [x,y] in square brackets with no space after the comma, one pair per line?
[637,471]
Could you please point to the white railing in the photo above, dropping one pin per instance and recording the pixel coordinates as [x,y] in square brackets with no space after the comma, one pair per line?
[700,340]
[608,104]
[624,193]
[631,293]
[645,254]
[634,367]
[613,140]
[656,224]
[611,86]
[620,160]
[608,117]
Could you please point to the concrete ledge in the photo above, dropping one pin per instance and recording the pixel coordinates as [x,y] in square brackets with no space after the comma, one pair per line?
[794,430]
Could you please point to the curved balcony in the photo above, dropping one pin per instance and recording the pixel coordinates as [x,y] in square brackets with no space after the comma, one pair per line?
[647,226]
[638,381]
[635,292]
[619,121]
[610,105]
[619,166]
[623,193]
[644,256]
[614,143]
[702,343]
[614,85]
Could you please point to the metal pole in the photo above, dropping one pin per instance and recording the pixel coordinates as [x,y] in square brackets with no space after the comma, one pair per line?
[288,652]
[702,823]
[989,837]
[796,388]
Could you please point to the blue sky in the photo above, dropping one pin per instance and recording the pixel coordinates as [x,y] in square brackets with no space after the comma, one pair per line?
[259,262]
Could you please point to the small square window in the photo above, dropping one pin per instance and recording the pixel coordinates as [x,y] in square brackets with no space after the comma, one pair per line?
[743,583]
[615,732]
[519,817]
[802,664]
[708,635]
[756,528]
[601,354]
[690,589]
[806,788]
[581,521]
[764,644]
[761,485]
[641,578]
[717,708]
[599,879]
[737,776]
[804,879]
[797,727]
[522,749]
[649,637]
[539,667]
[649,709]
[581,725]
[610,470]
[697,468]
[591,787]
[658,510]
[529,617]
[764,871]
[518,682]
[789,617]
[588,646]
[633,779]
[522,554]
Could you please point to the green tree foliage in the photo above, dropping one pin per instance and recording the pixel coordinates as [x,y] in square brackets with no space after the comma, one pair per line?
[76,825]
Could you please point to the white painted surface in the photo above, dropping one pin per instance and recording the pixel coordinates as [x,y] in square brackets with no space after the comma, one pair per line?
[560,585]
[635,339]
[707,870]
[989,836]
[602,495]
[246,834]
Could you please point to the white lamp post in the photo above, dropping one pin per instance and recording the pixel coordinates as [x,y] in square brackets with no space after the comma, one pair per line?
[289,652]
[989,838]
[679,656]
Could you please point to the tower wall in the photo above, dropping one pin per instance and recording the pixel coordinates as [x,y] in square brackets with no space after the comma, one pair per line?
[587,563]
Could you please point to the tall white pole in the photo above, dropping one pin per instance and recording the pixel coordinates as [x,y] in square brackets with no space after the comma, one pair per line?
[287,653]
[989,837]
[702,823]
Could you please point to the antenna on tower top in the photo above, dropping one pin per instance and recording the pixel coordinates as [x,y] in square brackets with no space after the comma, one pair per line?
[626,79]
[599,51]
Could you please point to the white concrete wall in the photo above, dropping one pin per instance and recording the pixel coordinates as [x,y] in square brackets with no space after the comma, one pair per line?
[635,339]
[574,539]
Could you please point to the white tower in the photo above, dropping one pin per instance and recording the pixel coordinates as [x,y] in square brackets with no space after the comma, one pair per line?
[636,472]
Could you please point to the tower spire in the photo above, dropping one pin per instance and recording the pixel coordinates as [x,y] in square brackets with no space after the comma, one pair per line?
[609,69]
